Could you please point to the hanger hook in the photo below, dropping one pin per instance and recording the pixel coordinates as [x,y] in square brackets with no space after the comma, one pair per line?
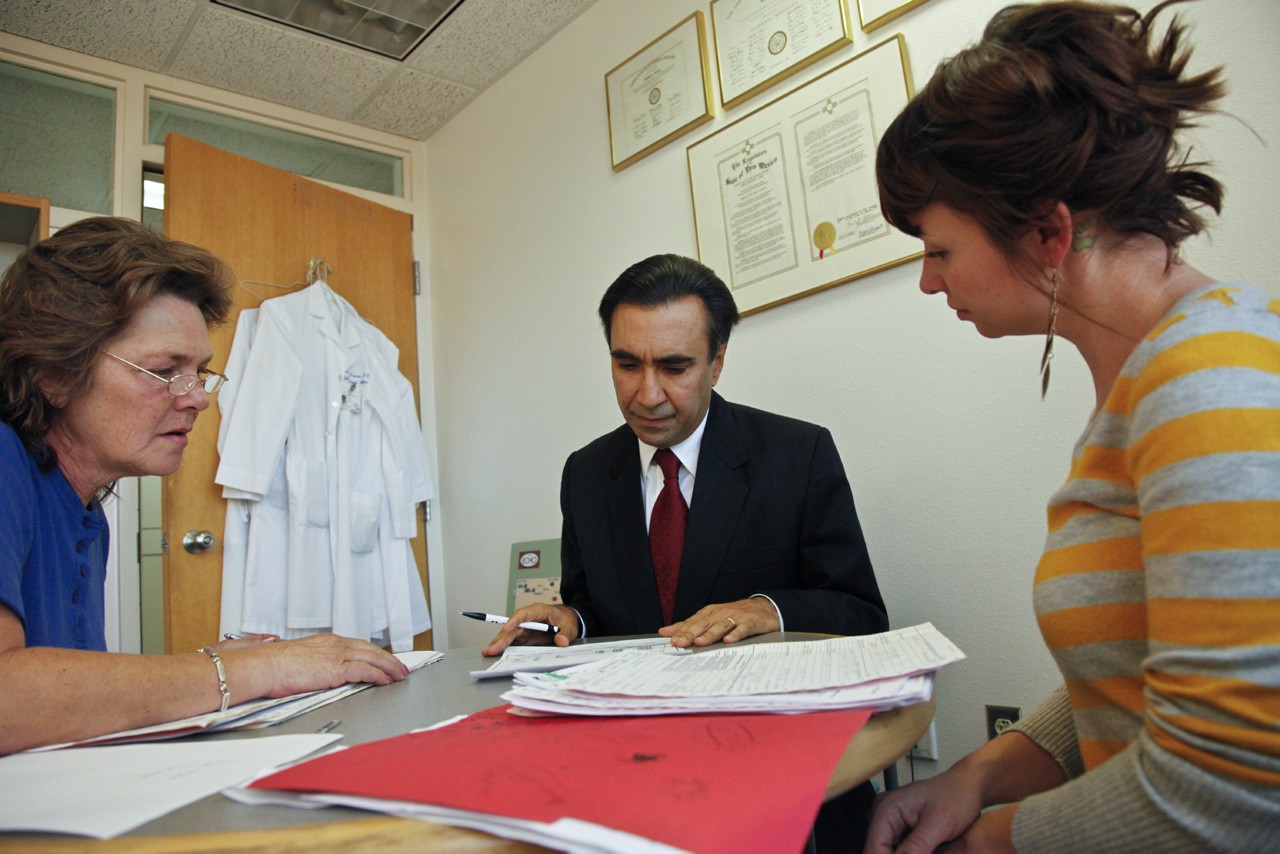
[317,268]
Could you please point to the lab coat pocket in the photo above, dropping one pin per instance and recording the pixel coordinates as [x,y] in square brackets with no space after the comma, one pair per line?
[317,492]
[364,521]
[306,488]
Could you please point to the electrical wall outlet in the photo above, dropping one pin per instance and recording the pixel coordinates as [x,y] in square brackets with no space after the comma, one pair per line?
[1000,718]
[927,746]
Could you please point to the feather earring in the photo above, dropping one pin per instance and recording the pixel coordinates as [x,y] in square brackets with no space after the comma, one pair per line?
[1048,338]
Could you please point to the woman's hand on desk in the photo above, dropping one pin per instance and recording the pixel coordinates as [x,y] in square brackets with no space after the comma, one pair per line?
[560,616]
[923,816]
[945,813]
[281,668]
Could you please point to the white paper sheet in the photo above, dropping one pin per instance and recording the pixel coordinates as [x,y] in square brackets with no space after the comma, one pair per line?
[566,834]
[540,659]
[106,791]
[771,668]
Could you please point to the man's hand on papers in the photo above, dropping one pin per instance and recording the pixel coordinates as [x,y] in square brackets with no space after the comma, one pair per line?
[728,622]
[564,618]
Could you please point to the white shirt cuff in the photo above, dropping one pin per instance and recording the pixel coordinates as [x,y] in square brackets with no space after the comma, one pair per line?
[781,625]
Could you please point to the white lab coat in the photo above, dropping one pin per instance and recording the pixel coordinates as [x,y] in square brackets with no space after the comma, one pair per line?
[323,465]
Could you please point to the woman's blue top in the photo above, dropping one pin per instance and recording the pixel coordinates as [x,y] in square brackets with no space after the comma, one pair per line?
[53,552]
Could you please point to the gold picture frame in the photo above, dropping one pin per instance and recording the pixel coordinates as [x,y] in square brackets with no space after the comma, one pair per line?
[759,43]
[874,14]
[659,93]
[784,199]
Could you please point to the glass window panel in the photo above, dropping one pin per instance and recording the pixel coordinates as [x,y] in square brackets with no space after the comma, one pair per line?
[153,199]
[293,152]
[57,138]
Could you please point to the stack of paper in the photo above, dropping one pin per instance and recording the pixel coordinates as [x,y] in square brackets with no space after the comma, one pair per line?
[874,672]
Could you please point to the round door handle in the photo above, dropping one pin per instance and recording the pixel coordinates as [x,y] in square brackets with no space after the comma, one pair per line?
[198,541]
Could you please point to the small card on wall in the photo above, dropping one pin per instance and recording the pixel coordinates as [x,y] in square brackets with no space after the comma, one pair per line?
[535,574]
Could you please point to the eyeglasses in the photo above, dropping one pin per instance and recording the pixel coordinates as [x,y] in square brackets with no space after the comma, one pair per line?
[177,386]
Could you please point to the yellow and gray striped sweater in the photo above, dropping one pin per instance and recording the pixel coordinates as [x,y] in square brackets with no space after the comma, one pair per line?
[1159,596]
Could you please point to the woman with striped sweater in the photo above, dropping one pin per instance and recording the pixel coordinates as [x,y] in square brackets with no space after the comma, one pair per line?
[1040,169]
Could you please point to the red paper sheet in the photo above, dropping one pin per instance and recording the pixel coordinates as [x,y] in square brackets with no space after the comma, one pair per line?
[706,783]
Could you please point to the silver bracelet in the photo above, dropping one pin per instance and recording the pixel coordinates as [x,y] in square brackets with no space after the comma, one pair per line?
[222,676]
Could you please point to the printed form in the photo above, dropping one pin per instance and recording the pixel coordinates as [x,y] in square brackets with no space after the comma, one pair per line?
[776,668]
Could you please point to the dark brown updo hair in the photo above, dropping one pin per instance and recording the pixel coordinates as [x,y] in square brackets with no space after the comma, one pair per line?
[68,295]
[1067,102]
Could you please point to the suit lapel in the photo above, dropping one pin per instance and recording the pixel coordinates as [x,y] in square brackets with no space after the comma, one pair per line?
[718,495]
[630,541]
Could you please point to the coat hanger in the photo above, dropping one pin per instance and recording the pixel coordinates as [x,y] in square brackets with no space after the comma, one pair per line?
[318,270]
[244,283]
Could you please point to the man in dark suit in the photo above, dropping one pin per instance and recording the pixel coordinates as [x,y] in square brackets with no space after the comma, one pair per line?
[772,517]
[771,539]
[767,537]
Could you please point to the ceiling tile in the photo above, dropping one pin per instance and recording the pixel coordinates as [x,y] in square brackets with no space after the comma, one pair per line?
[140,33]
[199,41]
[278,64]
[483,38]
[414,104]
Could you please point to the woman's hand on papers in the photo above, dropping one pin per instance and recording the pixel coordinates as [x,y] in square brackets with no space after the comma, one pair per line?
[728,622]
[560,616]
[312,663]
[51,695]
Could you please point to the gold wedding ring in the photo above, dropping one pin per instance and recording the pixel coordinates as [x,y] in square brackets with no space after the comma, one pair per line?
[732,621]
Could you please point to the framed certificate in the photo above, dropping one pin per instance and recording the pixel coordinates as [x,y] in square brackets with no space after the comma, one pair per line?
[661,92]
[760,42]
[785,200]
[877,13]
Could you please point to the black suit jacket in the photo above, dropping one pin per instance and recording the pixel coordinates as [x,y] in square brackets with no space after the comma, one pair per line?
[772,513]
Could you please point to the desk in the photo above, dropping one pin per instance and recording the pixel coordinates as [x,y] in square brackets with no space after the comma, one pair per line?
[430,695]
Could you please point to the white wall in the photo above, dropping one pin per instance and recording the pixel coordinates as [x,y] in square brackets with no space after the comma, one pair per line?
[949,449]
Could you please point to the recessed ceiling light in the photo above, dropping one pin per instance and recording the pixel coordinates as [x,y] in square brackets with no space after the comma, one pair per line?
[387,27]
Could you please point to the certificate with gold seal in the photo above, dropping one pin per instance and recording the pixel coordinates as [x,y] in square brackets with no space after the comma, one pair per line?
[661,92]
[784,198]
[759,42]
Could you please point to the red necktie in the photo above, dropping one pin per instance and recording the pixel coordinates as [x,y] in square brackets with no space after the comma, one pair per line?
[666,531]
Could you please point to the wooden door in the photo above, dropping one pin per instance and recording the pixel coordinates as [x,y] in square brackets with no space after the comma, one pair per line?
[268,224]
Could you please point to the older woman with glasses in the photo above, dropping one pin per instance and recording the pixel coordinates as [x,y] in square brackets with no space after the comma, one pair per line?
[104,368]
